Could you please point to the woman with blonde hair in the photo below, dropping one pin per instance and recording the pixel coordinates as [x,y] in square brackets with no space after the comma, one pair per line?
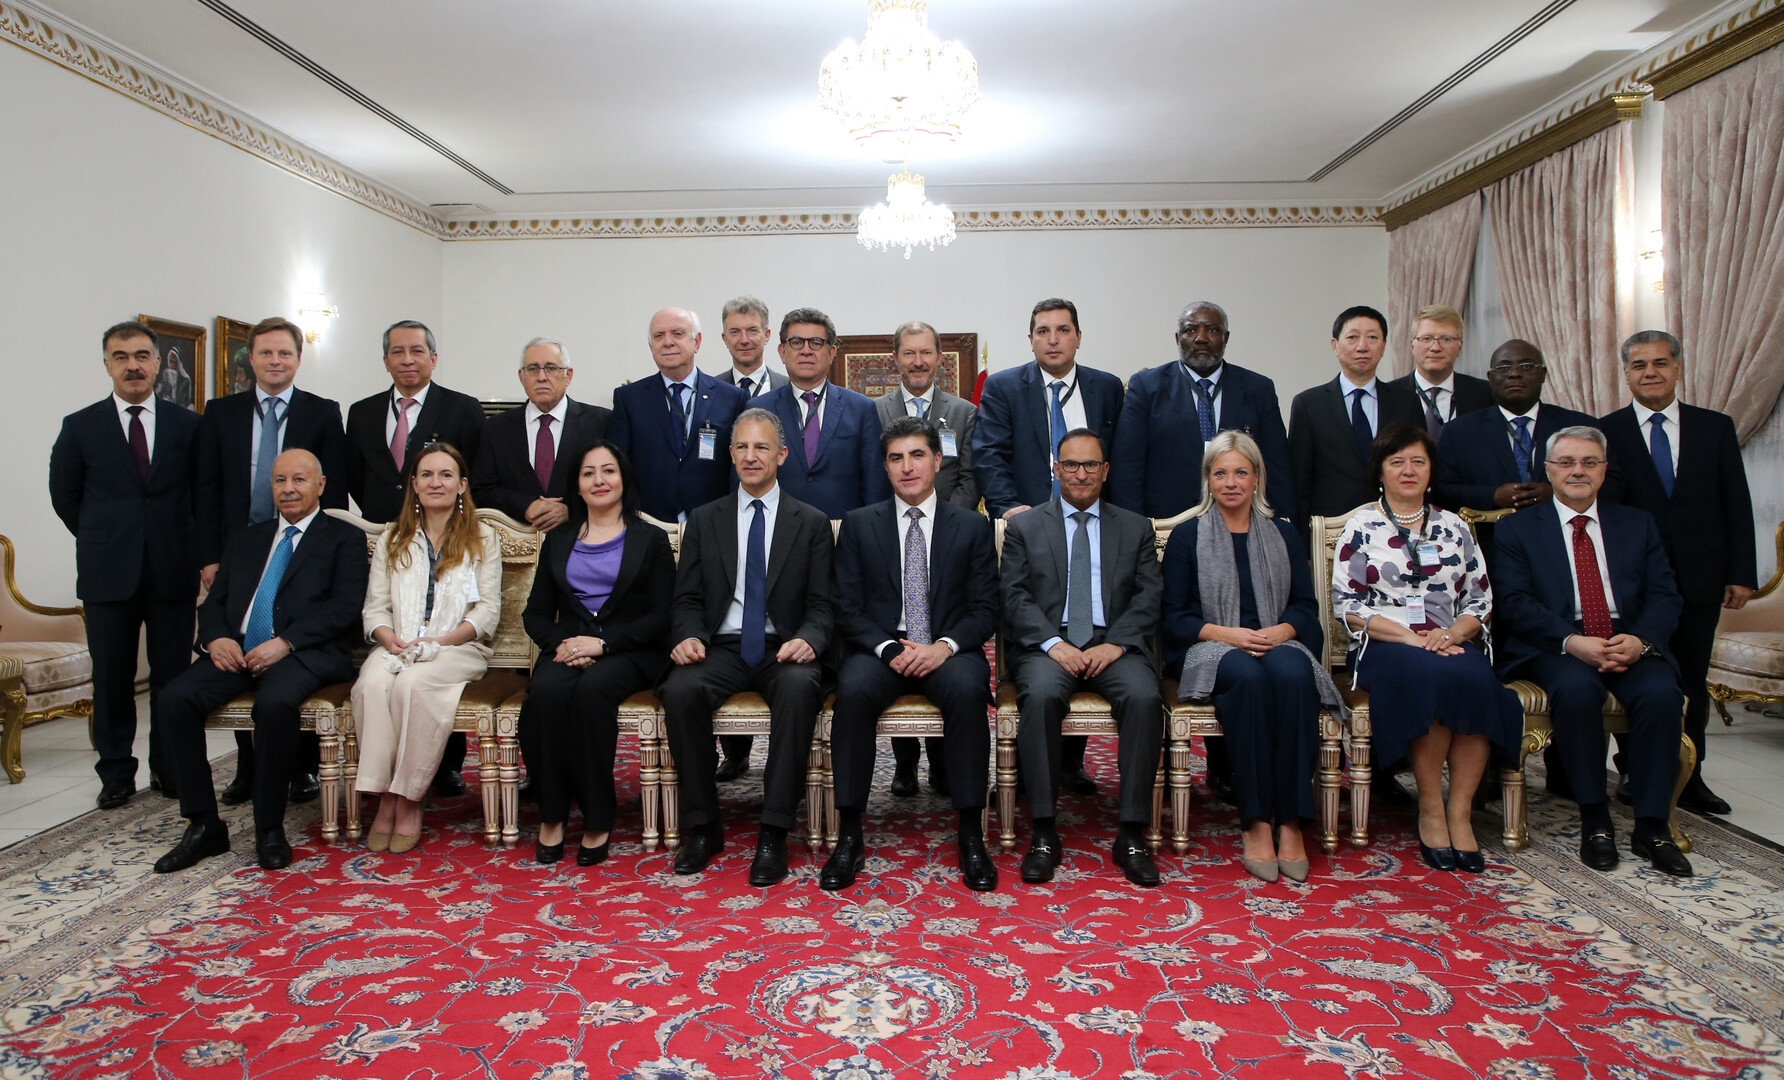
[433,600]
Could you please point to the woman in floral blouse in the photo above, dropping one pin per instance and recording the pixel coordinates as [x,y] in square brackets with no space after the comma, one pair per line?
[1409,581]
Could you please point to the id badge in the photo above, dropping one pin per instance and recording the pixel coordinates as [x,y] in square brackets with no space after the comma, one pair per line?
[1429,559]
[1415,609]
[949,447]
[709,443]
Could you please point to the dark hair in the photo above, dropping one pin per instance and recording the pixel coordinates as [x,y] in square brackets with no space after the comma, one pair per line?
[1395,438]
[907,426]
[1086,433]
[1360,311]
[1054,303]
[409,324]
[628,483]
[274,323]
[807,315]
[130,329]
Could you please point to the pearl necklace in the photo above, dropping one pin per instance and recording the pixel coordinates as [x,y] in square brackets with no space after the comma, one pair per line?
[1403,519]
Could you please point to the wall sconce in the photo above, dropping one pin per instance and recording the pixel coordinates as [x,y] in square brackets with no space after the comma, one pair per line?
[315,315]
[1653,259]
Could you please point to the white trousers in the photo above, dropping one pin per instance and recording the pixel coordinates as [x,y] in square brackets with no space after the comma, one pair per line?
[402,719]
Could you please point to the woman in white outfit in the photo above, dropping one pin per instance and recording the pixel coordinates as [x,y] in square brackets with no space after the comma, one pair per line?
[433,601]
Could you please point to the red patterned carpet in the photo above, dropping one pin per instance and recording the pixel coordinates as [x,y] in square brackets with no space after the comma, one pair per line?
[459,962]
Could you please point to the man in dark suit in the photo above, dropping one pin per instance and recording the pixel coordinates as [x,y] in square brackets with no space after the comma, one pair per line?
[1081,599]
[746,339]
[1683,465]
[239,436]
[1330,426]
[1444,393]
[675,427]
[752,612]
[833,460]
[526,455]
[384,429]
[280,620]
[916,600]
[1173,410]
[121,479]
[1584,604]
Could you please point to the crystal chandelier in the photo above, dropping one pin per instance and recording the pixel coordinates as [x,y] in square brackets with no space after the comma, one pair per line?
[901,80]
[905,219]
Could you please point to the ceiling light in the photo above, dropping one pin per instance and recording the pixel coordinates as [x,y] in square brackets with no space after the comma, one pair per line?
[905,219]
[901,80]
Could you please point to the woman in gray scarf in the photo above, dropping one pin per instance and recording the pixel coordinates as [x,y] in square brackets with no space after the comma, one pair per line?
[1242,620]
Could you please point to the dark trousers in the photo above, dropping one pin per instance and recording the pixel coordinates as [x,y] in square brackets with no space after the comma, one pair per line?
[1691,644]
[1650,694]
[309,752]
[1268,708]
[279,694]
[906,750]
[960,688]
[569,732]
[1043,696]
[691,693]
[113,630]
[452,758]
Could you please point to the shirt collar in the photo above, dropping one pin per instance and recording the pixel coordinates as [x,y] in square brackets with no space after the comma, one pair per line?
[148,406]
[927,395]
[758,378]
[558,411]
[1213,376]
[1372,388]
[283,396]
[770,501]
[420,396]
[1070,378]
[927,506]
[1568,514]
[1448,385]
[1095,510]
[303,527]
[693,376]
[1671,412]
[1511,416]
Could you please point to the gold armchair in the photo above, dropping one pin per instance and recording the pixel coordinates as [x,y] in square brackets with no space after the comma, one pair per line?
[45,669]
[1747,663]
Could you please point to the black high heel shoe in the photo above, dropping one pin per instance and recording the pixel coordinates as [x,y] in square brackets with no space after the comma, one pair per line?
[589,856]
[1440,858]
[547,853]
[1469,862]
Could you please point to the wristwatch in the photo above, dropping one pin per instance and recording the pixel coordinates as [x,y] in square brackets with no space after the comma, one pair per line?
[1649,648]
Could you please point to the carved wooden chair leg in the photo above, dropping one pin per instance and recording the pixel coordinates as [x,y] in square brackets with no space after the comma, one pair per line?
[1329,779]
[1687,766]
[1006,786]
[1361,776]
[1179,780]
[1515,799]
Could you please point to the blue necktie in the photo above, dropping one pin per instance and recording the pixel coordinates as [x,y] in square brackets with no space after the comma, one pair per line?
[681,419]
[1359,423]
[1205,391]
[922,409]
[749,387]
[1661,447]
[755,588]
[1056,425]
[1520,449]
[260,616]
[260,502]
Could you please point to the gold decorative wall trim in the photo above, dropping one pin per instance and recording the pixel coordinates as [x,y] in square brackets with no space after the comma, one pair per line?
[1755,37]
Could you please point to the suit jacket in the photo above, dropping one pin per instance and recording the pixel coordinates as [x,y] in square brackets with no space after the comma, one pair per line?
[225,445]
[776,380]
[373,479]
[706,579]
[848,472]
[1533,582]
[1474,454]
[320,598]
[869,593]
[128,532]
[1157,458]
[503,477]
[1184,616]
[671,485]
[1331,473]
[1036,554]
[1012,458]
[956,482]
[633,618]
[1471,395]
[1707,523]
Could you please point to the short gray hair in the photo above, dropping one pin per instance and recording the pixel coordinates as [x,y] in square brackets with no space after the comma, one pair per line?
[410,324]
[563,353]
[1654,337]
[1225,442]
[693,319]
[1205,305]
[914,326]
[745,305]
[761,416]
[1578,431]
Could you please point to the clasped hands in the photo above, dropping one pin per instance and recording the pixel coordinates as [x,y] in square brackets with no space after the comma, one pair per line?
[1255,642]
[1085,663]
[793,651]
[226,654]
[579,651]
[1614,653]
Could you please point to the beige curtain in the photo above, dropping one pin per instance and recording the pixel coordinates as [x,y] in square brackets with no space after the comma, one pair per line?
[1556,227]
[1723,180]
[1429,262]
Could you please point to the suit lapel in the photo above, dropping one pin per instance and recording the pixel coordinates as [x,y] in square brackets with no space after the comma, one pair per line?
[421,432]
[780,547]
[314,536]
[1112,549]
[940,538]
[238,441]
[1034,378]
[727,529]
[631,556]
[788,412]
[1093,401]
[887,533]
[1058,541]
[1551,559]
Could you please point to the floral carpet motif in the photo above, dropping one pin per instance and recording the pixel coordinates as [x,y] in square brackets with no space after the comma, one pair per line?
[455,961]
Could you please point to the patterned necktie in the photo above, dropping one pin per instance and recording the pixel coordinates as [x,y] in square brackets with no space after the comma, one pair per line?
[755,588]
[1078,623]
[916,581]
[139,441]
[1520,449]
[1056,425]
[1595,611]
[1661,447]
[399,442]
[544,453]
[749,387]
[680,416]
[922,409]
[1433,418]
[811,425]
[1205,391]
[260,501]
[1359,423]
[260,616]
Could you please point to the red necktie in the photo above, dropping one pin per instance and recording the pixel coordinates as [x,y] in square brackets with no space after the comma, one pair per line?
[544,454]
[139,441]
[1595,611]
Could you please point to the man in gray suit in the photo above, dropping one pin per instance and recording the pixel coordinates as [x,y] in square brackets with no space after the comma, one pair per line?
[917,350]
[1081,599]
[747,339]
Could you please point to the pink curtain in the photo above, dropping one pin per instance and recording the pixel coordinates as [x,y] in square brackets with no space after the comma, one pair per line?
[1429,262]
[1724,226]
[1555,231]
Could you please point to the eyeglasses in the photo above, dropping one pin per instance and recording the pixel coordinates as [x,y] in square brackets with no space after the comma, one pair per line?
[533,371]
[1429,340]
[799,343]
[1080,466]
[1524,368]
[1584,463]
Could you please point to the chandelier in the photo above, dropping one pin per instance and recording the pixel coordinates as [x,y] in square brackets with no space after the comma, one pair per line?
[905,219]
[901,80]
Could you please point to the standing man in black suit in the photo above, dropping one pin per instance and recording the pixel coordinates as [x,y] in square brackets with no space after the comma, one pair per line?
[526,454]
[752,612]
[916,600]
[280,620]
[833,462]
[121,478]
[1683,465]
[746,339]
[1081,599]
[1444,393]
[1330,426]
[239,436]
[384,429]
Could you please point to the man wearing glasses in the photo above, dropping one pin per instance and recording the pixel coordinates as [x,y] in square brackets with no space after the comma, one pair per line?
[1444,394]
[529,452]
[746,339]
[833,433]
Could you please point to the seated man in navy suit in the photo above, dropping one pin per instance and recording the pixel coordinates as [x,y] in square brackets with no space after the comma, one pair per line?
[833,433]
[1586,604]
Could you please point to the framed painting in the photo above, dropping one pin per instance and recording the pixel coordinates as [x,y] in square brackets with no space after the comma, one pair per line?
[182,361]
[233,372]
[864,364]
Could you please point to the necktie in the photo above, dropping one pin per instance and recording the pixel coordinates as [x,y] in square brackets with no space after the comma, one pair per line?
[260,616]
[1359,423]
[260,502]
[755,588]
[544,454]
[1595,611]
[922,409]
[1661,447]
[1205,390]
[1078,624]
[811,425]
[139,441]
[1433,419]
[399,442]
[1056,425]
[916,581]
[749,387]
[1520,449]
[680,417]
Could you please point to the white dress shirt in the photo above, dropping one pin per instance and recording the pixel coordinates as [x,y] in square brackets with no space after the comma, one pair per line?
[303,527]
[1597,534]
[1444,400]
[758,378]
[395,407]
[1213,391]
[746,515]
[926,524]
[1094,529]
[147,416]
[927,397]
[1371,400]
[261,397]
[823,392]
[1538,452]
[1670,425]
[1073,406]
[557,414]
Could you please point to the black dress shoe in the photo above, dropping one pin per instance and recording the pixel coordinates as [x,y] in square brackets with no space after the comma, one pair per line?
[163,784]
[274,853]
[115,793]
[1469,862]
[976,867]
[1135,860]
[769,867]
[1438,858]
[1699,799]
[1044,853]
[731,768]
[1599,851]
[904,781]
[547,853]
[1077,781]
[1664,854]
[198,843]
[592,856]
[698,848]
[240,789]
[844,863]
[449,785]
[304,788]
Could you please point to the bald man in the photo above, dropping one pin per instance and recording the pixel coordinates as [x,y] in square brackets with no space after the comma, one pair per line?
[280,622]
